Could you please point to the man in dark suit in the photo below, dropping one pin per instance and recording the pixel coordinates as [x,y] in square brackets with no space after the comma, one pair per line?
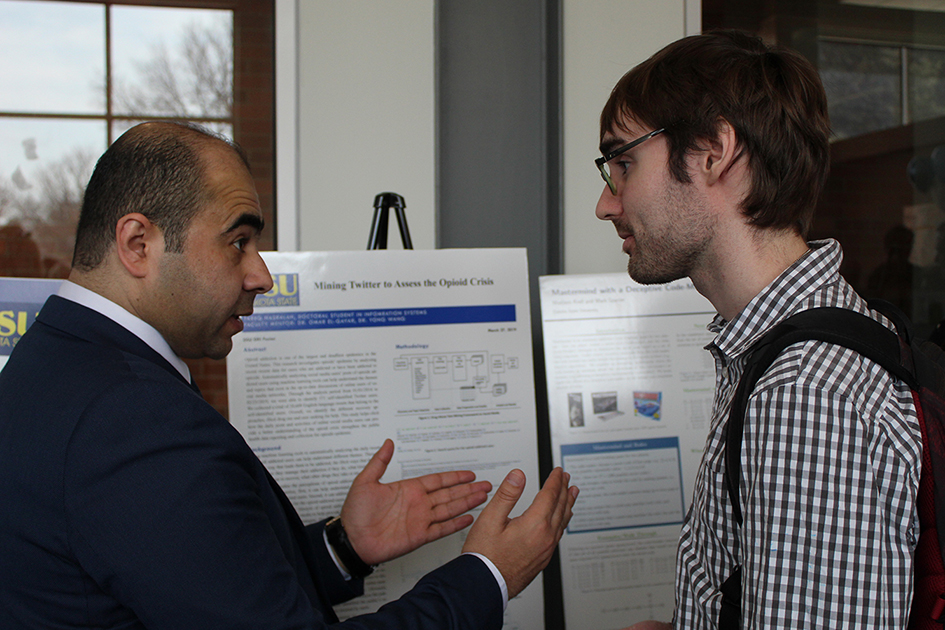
[128,502]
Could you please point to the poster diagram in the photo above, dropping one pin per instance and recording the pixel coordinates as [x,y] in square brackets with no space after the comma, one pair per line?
[456,377]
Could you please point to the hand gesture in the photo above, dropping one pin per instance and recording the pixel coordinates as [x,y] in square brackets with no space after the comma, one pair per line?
[385,521]
[521,547]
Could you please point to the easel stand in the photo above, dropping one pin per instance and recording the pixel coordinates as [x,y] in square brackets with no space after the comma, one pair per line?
[382,205]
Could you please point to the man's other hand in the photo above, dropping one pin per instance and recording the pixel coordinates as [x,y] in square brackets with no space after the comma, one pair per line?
[386,520]
[521,547]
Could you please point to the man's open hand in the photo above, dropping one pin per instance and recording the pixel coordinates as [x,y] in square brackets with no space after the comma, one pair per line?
[521,547]
[385,521]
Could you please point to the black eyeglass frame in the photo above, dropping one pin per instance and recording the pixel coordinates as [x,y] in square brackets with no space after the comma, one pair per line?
[607,157]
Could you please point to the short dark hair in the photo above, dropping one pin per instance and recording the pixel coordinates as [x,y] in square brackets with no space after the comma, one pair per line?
[155,169]
[771,96]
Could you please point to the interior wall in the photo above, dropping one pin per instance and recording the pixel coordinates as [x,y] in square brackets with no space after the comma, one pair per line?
[498,130]
[601,41]
[365,119]
[356,102]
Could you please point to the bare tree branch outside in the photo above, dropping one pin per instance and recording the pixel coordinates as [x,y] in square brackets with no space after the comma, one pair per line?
[39,212]
[197,81]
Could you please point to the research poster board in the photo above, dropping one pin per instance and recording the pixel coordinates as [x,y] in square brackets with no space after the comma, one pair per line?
[630,391]
[20,301]
[431,348]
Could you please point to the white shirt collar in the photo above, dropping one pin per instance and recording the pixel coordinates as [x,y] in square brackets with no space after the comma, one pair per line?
[138,327]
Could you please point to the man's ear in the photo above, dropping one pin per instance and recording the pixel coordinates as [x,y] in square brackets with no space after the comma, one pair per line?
[139,243]
[722,153]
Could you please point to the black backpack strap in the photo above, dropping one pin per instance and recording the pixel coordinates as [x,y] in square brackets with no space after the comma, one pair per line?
[829,324]
[731,612]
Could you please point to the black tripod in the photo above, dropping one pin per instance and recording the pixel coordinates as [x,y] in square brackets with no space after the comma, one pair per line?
[382,205]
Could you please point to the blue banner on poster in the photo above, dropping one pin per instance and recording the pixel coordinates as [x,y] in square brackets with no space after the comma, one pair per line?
[366,318]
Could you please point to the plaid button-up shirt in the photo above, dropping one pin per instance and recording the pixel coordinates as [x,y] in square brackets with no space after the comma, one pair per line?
[831,457]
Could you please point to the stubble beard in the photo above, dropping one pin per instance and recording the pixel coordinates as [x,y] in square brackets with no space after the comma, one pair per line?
[660,260]
[673,253]
[196,334]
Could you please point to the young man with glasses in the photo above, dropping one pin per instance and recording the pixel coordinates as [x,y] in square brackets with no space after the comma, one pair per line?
[715,151]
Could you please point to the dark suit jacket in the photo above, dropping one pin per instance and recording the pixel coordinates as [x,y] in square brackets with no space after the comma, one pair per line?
[126,501]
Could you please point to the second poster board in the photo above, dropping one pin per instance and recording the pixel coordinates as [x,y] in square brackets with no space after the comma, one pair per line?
[630,392]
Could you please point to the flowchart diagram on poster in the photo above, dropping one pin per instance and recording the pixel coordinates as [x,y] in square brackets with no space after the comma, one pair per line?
[456,378]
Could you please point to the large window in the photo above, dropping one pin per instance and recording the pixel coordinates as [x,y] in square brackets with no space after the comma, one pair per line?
[874,86]
[77,74]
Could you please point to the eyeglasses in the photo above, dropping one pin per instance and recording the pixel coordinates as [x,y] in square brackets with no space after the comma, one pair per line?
[603,162]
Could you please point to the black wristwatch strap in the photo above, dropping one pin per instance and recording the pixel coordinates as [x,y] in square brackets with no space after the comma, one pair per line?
[338,539]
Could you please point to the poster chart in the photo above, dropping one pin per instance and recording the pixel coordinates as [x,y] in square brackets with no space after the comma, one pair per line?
[630,391]
[20,301]
[431,348]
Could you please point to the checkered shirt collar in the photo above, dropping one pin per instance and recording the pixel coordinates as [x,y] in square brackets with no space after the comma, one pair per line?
[791,287]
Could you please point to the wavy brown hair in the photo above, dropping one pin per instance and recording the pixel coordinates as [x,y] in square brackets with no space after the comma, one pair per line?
[771,96]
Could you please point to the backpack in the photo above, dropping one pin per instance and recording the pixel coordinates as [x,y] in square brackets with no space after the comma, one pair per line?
[921,365]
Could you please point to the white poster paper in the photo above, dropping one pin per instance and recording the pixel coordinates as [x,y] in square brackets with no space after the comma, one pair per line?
[630,392]
[429,348]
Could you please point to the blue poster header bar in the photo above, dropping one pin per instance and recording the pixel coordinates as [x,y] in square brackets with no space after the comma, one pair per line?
[370,318]
[598,448]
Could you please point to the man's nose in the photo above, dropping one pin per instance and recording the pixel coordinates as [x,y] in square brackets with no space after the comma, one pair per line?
[608,206]
[258,279]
